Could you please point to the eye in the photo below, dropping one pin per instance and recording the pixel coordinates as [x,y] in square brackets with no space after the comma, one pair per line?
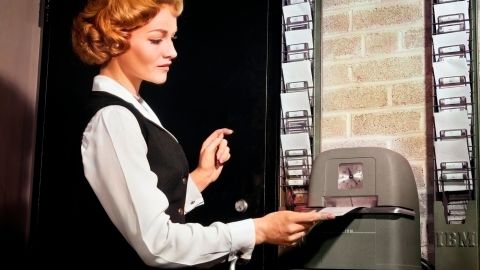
[155,41]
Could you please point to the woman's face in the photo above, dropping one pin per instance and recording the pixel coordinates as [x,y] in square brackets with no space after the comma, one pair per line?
[151,49]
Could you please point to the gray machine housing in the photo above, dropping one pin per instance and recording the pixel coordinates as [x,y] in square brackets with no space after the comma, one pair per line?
[384,232]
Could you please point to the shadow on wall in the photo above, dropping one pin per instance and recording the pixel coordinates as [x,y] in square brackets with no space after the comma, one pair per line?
[16,152]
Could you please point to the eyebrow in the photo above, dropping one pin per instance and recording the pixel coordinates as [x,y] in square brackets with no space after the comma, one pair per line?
[160,30]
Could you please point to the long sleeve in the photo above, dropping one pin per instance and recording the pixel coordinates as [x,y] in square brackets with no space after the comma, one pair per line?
[115,165]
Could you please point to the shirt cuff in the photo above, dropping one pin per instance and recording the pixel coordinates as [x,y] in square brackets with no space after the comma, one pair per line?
[243,238]
[193,197]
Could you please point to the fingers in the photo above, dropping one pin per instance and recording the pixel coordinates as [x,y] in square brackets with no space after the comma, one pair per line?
[219,149]
[223,152]
[298,227]
[301,224]
[219,133]
[294,238]
[216,145]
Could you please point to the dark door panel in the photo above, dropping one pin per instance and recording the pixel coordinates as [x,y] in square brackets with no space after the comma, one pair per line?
[226,75]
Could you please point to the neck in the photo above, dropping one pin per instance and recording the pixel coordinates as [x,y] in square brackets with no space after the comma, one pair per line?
[114,71]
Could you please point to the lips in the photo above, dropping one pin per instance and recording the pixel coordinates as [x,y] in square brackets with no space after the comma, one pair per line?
[166,66]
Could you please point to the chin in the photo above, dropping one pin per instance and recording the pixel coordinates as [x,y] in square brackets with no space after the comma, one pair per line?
[158,80]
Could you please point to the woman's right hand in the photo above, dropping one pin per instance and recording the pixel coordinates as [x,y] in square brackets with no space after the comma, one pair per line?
[213,155]
[286,227]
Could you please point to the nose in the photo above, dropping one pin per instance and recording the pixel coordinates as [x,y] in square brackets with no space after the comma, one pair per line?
[170,51]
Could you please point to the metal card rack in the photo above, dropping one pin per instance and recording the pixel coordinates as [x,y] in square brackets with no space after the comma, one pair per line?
[297,92]
[455,134]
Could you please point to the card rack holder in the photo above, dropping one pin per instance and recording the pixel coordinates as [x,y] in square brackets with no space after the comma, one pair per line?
[454,178]
[297,102]
[297,121]
[297,167]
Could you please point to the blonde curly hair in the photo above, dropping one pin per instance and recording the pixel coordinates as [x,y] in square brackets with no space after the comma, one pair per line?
[102,29]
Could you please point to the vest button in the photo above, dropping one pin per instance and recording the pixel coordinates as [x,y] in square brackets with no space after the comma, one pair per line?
[184,180]
[180,211]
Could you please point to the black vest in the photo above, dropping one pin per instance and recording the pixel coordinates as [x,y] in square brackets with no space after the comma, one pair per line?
[165,155]
[76,231]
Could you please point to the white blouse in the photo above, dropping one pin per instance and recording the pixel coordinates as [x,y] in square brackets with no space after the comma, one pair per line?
[114,155]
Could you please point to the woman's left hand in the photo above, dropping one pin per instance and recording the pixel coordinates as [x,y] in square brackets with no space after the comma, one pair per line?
[213,155]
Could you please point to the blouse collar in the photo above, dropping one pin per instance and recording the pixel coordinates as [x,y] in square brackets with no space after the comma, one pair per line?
[109,85]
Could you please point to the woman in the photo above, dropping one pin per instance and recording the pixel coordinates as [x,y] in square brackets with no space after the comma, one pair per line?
[136,168]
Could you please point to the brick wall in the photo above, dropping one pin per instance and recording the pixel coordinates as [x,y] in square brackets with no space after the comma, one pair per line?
[374,90]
